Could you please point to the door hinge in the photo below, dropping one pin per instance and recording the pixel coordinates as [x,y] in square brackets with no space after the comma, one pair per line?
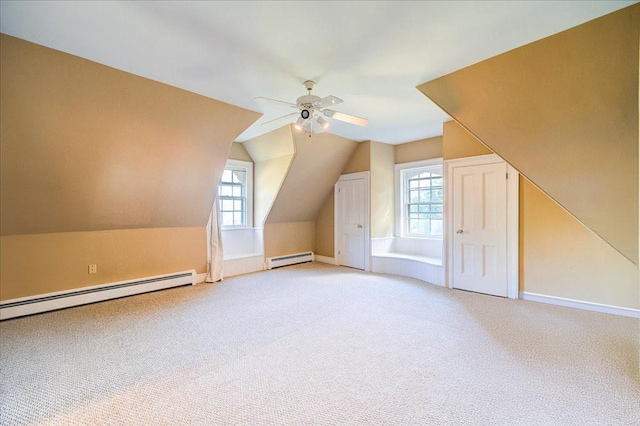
[507,175]
[338,251]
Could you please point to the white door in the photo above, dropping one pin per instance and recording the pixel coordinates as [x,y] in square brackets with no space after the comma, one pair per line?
[350,223]
[480,228]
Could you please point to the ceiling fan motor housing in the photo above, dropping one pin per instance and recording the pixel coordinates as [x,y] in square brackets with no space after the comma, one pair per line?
[306,105]
[308,100]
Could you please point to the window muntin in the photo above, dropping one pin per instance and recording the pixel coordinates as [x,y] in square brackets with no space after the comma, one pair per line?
[234,195]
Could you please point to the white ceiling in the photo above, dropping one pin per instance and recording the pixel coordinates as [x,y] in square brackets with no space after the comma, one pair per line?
[372,54]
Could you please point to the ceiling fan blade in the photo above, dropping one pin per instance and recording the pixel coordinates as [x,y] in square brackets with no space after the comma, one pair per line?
[328,101]
[347,118]
[280,118]
[262,98]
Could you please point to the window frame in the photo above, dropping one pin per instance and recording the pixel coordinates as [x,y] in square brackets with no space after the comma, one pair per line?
[400,195]
[247,167]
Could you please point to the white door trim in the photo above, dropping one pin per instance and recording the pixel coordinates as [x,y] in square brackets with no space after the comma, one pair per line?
[367,227]
[512,218]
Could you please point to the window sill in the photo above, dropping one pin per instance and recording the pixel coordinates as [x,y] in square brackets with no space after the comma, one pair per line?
[416,237]
[234,228]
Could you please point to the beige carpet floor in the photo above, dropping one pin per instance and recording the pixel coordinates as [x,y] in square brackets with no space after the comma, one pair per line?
[323,345]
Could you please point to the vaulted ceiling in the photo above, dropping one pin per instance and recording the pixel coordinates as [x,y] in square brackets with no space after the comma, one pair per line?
[371,54]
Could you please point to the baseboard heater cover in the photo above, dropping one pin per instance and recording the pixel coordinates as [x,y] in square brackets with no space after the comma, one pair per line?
[291,259]
[82,296]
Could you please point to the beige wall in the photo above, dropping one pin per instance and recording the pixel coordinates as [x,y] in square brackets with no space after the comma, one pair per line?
[268,176]
[564,112]
[272,154]
[288,238]
[561,257]
[558,255]
[238,152]
[379,159]
[43,263]
[325,227]
[101,166]
[459,143]
[294,176]
[86,147]
[316,167]
[360,160]
[275,144]
[418,150]
[382,190]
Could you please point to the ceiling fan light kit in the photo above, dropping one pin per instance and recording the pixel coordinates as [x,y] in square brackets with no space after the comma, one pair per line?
[312,109]
[324,124]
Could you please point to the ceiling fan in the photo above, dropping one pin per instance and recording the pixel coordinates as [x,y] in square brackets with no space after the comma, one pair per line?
[312,111]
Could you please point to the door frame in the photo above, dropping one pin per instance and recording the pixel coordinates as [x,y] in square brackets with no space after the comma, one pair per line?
[367,217]
[513,178]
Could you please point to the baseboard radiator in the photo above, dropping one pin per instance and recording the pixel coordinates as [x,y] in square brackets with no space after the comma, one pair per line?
[82,296]
[290,259]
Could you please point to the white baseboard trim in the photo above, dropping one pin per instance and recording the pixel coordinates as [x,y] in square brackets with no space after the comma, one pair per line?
[97,293]
[200,278]
[579,304]
[325,259]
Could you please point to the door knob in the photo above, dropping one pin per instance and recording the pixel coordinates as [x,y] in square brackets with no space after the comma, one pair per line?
[359,226]
[460,231]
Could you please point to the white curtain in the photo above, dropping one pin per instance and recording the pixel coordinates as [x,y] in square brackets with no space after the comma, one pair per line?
[215,264]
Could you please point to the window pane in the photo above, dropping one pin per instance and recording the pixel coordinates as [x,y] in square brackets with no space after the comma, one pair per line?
[225,191]
[436,227]
[417,226]
[237,219]
[227,219]
[239,176]
[237,191]
[226,176]
[227,205]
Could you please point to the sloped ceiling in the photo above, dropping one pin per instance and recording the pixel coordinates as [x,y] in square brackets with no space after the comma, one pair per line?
[86,147]
[317,164]
[372,54]
[272,154]
[564,112]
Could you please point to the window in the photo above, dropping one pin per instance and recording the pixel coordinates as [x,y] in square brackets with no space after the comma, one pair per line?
[235,194]
[419,204]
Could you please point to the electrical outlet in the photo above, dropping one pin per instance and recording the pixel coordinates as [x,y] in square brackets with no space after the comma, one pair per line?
[93,269]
